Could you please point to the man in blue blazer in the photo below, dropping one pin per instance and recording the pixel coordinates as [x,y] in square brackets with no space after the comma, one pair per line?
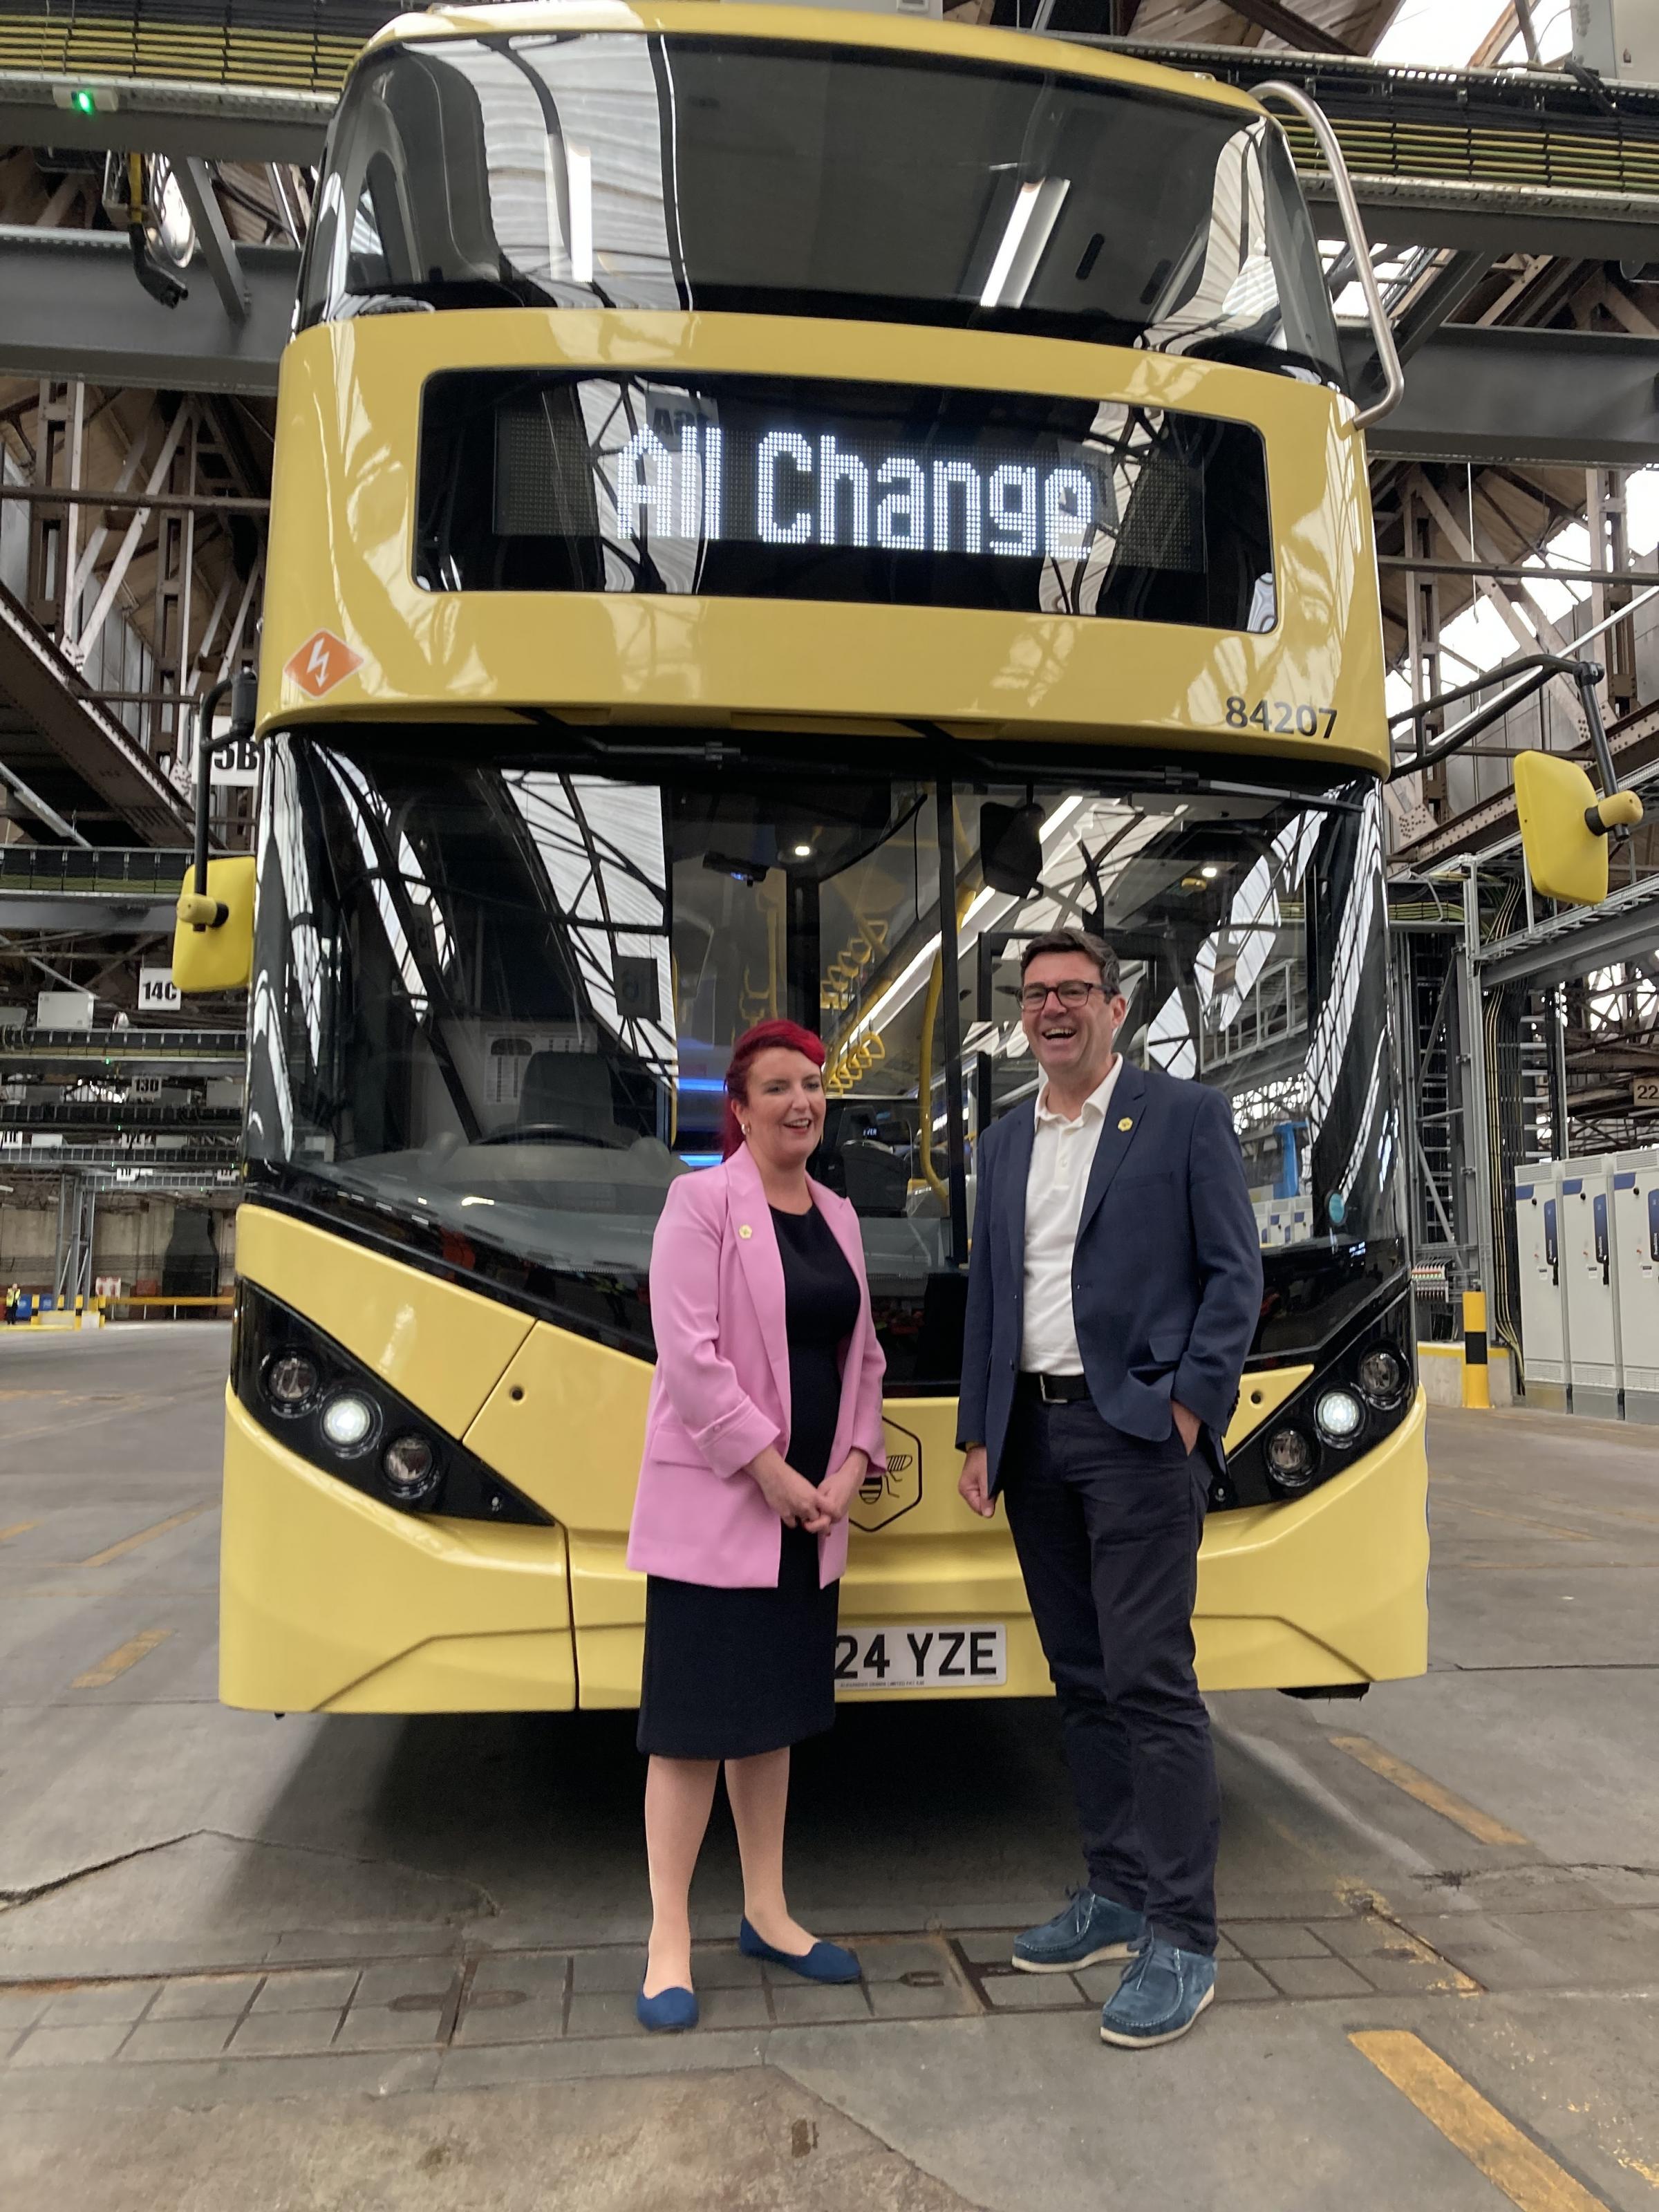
[1113,1294]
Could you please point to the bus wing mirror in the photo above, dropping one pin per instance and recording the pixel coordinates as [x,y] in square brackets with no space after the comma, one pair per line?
[213,943]
[1565,826]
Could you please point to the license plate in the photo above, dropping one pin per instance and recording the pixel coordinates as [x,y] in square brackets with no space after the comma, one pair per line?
[971,1658]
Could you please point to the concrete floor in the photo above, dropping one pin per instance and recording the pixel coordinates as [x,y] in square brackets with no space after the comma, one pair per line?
[365,1964]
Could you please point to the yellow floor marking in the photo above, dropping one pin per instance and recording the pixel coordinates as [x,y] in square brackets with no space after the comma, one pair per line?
[114,1413]
[145,1535]
[1602,1512]
[1473,1822]
[1545,1567]
[17,1529]
[1512,2161]
[125,1655]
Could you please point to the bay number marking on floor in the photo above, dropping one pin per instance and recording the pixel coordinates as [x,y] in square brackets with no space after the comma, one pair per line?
[1438,1799]
[1512,2161]
[124,1655]
[147,1535]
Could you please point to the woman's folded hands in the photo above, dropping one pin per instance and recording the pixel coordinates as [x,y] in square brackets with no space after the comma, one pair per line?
[801,1504]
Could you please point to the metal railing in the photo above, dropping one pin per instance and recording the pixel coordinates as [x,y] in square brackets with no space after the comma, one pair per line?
[111,1045]
[93,868]
[290,45]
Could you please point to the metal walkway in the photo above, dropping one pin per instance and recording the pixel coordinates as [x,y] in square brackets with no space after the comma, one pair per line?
[66,755]
[1508,159]
[1435,151]
[291,45]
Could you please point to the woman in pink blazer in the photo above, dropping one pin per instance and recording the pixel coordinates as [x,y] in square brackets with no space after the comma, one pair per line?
[765,1415]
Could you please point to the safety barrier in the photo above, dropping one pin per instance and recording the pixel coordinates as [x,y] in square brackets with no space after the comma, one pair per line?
[156,1308]
[43,1310]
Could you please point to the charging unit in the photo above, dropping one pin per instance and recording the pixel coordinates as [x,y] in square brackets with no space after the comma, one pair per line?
[1586,1241]
[1635,1278]
[1543,1295]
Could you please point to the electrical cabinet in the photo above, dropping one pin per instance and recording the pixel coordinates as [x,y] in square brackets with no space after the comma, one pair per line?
[1635,1278]
[1617,39]
[1543,1299]
[1586,1244]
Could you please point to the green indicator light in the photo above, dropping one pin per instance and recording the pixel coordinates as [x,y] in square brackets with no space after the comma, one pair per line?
[84,101]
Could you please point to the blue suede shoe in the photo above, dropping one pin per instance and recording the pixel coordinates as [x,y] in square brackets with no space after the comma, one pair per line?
[1088,1929]
[669,2012]
[824,1962]
[1159,1997]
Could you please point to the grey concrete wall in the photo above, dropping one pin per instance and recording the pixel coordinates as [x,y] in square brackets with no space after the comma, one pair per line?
[131,1239]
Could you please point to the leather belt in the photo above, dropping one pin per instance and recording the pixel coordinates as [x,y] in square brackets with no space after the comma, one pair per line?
[1055,1390]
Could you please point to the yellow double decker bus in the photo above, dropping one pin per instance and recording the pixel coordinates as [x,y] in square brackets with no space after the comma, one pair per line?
[772,509]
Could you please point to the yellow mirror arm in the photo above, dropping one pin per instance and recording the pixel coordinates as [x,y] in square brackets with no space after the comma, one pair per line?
[196,911]
[1621,809]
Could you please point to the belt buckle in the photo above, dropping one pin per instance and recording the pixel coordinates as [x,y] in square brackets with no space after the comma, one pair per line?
[1044,1392]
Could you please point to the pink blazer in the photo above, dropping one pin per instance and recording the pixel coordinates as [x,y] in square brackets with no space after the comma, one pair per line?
[721,1393]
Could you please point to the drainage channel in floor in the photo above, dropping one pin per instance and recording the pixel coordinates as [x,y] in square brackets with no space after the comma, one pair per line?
[501,1998]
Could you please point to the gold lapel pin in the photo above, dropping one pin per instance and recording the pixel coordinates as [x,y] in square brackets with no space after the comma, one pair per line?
[745,1230]
[1126,1122]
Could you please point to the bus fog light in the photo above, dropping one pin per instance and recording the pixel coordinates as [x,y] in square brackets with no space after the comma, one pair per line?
[1291,1458]
[1339,1416]
[1381,1376]
[348,1420]
[291,1382]
[410,1466]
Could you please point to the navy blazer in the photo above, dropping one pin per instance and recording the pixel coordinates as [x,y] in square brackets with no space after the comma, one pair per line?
[1166,1284]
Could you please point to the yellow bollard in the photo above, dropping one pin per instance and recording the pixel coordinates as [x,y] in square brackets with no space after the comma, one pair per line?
[1477,1390]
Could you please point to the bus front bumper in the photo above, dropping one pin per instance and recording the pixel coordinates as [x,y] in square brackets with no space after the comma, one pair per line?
[332,1602]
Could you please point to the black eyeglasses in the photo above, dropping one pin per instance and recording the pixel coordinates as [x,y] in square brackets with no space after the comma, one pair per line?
[1033,997]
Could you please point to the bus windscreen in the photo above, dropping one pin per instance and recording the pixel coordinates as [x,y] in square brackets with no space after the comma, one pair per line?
[799,488]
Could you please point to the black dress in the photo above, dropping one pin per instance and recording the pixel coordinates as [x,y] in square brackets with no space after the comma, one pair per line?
[731,1672]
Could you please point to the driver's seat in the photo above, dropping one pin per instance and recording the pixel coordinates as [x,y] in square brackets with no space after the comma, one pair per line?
[571,1090]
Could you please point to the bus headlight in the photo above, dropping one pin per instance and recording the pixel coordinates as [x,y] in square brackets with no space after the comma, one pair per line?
[291,1382]
[1339,1416]
[349,1420]
[324,1404]
[1381,1376]
[1291,1457]
[409,1467]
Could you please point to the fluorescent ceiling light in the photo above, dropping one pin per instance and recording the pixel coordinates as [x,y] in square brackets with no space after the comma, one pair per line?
[578,177]
[1031,225]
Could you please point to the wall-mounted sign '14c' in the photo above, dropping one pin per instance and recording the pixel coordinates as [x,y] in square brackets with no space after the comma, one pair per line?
[798,488]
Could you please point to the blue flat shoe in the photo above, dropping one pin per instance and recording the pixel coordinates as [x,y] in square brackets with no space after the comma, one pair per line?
[824,1962]
[669,2012]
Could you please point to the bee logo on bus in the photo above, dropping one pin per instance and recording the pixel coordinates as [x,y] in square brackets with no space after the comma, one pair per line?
[885,1493]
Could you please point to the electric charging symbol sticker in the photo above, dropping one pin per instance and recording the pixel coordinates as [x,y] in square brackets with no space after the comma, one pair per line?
[323,661]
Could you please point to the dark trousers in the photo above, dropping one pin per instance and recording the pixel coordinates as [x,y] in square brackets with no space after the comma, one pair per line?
[1107,1528]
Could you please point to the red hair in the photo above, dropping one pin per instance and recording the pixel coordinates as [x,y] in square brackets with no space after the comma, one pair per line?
[765,1036]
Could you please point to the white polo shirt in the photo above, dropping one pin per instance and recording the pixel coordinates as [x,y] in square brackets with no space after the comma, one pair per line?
[1062,1154]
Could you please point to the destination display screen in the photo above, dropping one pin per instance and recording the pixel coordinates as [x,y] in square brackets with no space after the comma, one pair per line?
[804,489]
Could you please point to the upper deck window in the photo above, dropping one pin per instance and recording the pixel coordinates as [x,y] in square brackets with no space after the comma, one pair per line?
[634,170]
